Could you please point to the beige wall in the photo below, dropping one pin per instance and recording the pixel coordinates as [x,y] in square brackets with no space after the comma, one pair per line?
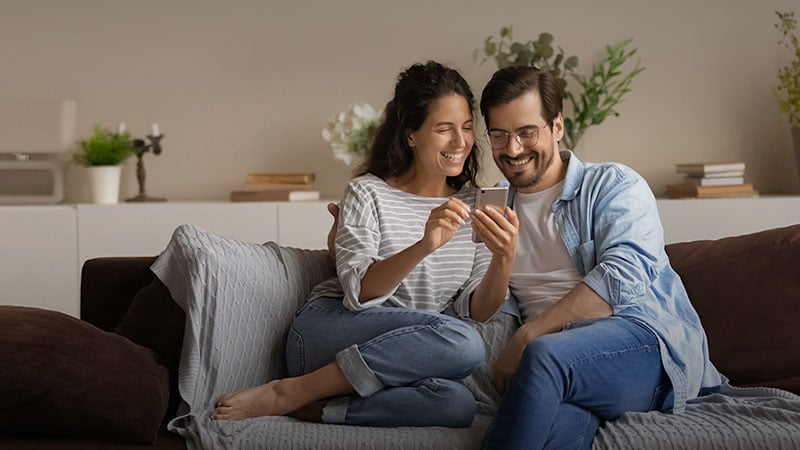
[244,86]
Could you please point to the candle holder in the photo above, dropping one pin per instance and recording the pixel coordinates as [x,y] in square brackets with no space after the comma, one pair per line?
[140,148]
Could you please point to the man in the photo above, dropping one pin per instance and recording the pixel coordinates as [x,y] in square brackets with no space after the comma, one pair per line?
[608,326]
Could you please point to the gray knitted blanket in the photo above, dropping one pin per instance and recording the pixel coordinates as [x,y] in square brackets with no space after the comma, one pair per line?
[240,299]
[736,418]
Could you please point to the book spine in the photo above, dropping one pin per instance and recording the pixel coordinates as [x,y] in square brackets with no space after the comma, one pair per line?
[284,178]
[275,196]
[258,187]
[714,181]
[704,169]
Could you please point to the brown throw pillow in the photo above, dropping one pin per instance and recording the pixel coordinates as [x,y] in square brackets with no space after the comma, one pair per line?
[65,377]
[155,321]
[746,290]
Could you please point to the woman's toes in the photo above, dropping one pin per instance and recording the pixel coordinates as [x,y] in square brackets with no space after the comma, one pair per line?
[221,413]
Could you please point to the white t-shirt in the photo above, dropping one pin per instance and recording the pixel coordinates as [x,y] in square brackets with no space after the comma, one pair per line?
[543,271]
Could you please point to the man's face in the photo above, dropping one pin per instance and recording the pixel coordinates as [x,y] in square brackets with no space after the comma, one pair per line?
[531,163]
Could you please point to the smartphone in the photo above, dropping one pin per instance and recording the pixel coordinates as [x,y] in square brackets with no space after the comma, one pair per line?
[495,196]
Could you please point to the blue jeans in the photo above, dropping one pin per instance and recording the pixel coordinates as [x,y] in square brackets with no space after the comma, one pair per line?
[404,364]
[568,382]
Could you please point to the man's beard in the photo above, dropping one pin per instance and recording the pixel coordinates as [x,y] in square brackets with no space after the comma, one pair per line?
[524,180]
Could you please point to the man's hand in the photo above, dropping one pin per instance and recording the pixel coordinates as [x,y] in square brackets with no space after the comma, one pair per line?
[333,208]
[581,303]
[497,229]
[507,362]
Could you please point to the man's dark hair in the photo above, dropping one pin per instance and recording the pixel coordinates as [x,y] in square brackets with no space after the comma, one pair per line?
[417,88]
[512,82]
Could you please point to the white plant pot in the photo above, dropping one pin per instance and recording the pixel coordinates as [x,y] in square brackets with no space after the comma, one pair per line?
[104,184]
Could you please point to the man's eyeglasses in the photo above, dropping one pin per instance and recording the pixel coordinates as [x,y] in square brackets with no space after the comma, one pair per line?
[525,136]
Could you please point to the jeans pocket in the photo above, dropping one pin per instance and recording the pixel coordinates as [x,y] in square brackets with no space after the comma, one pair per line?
[659,395]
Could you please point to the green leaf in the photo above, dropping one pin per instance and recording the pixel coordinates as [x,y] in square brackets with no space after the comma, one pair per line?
[490,48]
[571,62]
[524,57]
[516,47]
[545,39]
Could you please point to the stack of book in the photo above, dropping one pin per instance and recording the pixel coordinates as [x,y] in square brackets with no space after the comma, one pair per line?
[276,187]
[711,180]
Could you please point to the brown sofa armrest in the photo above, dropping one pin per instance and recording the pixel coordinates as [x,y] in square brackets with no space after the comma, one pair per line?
[746,290]
[108,286]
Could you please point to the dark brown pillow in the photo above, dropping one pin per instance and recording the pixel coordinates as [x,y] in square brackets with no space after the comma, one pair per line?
[746,290]
[65,377]
[155,321]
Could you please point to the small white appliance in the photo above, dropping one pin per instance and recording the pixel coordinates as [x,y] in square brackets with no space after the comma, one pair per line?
[34,135]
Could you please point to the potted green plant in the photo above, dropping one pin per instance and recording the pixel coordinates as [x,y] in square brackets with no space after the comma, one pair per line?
[599,93]
[788,90]
[103,154]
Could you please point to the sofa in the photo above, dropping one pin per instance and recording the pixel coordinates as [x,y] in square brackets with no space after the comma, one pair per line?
[111,379]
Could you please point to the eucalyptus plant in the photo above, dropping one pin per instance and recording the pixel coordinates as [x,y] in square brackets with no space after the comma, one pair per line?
[539,53]
[599,93]
[788,91]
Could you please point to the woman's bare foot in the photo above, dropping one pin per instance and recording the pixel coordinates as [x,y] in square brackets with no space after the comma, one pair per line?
[281,397]
[271,399]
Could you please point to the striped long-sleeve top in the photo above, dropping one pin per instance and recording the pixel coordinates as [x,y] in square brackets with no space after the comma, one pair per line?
[377,221]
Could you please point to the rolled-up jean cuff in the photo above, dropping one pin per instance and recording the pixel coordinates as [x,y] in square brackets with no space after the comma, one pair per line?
[355,369]
[335,410]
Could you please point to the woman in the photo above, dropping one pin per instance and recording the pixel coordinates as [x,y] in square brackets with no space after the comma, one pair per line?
[403,256]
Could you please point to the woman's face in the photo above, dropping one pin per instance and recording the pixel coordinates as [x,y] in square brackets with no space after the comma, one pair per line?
[443,142]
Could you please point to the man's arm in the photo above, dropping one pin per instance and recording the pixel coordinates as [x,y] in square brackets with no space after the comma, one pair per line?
[581,303]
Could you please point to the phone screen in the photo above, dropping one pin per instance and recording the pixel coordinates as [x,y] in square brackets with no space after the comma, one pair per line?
[495,196]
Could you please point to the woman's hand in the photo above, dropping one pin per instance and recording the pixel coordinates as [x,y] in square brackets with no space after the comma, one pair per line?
[498,230]
[443,222]
[333,209]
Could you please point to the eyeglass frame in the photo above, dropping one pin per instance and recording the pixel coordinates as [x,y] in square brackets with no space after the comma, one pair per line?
[516,134]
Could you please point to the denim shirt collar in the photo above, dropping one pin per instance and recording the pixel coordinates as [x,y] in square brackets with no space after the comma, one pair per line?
[574,178]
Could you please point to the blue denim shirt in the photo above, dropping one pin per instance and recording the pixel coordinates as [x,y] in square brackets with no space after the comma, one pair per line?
[609,222]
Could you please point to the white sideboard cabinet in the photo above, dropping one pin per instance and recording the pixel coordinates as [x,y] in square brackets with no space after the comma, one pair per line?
[38,257]
[692,219]
[44,247]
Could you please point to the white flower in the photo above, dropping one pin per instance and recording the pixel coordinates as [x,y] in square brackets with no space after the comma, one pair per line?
[352,132]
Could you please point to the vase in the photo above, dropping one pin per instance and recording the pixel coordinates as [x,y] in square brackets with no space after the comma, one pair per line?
[104,184]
